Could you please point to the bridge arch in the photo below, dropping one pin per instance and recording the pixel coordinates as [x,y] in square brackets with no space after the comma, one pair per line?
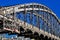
[36,15]
[42,37]
[46,37]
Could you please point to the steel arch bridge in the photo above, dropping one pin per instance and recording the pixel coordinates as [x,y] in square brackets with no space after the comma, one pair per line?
[30,20]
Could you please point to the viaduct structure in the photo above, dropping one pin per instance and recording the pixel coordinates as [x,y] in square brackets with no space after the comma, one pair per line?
[32,20]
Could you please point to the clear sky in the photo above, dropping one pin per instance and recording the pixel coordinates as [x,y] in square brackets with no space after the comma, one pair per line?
[54,5]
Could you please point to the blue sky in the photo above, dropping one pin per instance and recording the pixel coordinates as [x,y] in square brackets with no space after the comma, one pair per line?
[54,5]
